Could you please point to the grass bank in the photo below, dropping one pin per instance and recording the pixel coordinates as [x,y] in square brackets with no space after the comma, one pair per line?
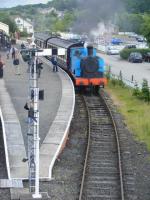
[135,111]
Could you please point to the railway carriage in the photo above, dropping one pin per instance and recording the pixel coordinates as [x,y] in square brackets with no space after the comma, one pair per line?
[4,39]
[55,43]
[82,64]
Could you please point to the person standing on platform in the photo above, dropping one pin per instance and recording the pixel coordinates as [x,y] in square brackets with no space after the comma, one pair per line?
[30,107]
[13,52]
[1,67]
[16,63]
[39,67]
[54,62]
[8,50]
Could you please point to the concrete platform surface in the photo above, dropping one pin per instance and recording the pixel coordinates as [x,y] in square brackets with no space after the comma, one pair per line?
[30,197]
[7,183]
[12,134]
[58,132]
[56,112]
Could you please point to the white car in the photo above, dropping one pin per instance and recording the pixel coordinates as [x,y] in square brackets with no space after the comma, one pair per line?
[112,50]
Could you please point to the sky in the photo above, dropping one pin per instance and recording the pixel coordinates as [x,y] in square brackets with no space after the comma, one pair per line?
[12,3]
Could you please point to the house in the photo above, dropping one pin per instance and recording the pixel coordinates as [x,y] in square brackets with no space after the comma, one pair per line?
[4,28]
[24,25]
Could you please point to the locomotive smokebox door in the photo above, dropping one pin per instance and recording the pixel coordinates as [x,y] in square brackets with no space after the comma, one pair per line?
[90,50]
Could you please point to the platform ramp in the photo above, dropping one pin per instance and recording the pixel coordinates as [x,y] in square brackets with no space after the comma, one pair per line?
[12,134]
[58,133]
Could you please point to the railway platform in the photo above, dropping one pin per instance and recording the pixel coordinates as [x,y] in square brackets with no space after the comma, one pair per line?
[56,112]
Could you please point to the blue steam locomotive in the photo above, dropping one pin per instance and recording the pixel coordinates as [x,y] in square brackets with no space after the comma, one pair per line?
[85,68]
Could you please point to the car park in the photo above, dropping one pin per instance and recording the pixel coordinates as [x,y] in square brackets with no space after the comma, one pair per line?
[135,57]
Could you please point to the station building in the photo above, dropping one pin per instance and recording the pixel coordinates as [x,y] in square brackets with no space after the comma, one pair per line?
[4,34]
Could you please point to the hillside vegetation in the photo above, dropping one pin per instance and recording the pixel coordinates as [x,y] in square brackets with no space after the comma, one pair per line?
[83,16]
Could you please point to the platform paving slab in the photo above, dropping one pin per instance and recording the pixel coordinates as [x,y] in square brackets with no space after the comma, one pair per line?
[6,183]
[29,197]
[17,192]
[14,143]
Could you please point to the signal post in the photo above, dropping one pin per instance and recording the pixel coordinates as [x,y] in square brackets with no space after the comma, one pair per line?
[33,127]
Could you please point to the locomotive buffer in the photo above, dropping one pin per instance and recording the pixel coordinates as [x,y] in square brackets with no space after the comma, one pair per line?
[33,128]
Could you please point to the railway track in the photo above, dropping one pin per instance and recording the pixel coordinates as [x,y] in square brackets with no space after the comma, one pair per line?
[102,176]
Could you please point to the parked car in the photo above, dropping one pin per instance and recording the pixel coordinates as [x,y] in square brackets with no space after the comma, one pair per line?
[111,50]
[140,39]
[135,57]
[130,46]
[116,41]
[146,57]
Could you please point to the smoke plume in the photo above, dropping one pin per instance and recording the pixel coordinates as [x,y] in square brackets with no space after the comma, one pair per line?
[94,12]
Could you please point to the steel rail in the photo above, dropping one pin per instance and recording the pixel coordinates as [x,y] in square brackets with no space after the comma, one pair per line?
[87,150]
[88,146]
[118,147]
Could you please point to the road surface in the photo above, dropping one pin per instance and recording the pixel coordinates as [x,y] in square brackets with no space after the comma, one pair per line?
[138,70]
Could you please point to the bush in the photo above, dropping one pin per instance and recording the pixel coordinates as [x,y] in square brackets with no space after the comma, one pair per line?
[108,72]
[145,91]
[23,34]
[136,92]
[124,54]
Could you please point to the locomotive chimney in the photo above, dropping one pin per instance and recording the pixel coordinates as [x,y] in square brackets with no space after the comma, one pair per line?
[90,50]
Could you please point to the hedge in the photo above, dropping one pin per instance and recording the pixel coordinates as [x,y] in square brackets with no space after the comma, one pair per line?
[124,54]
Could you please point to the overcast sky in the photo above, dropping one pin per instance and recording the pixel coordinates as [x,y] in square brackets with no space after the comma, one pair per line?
[12,3]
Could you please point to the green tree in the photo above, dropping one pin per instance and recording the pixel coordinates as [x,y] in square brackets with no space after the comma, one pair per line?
[146,27]
[5,18]
[130,22]
[137,6]
[64,4]
[65,23]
